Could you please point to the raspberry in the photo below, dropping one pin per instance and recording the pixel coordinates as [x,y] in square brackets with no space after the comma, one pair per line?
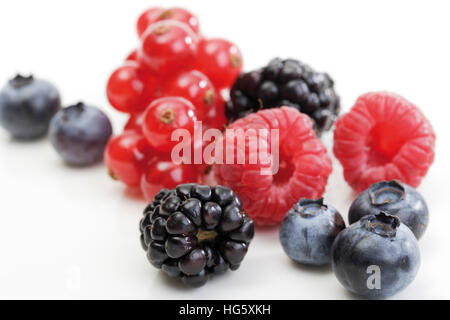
[286,83]
[384,137]
[194,231]
[304,165]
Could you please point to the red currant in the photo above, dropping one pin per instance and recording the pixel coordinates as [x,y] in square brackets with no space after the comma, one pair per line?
[135,122]
[153,15]
[220,60]
[168,47]
[126,157]
[165,115]
[197,88]
[166,174]
[130,88]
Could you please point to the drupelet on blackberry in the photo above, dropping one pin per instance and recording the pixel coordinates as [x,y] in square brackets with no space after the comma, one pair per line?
[285,83]
[194,230]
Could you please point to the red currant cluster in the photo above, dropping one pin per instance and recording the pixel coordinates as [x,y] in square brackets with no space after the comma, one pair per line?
[175,78]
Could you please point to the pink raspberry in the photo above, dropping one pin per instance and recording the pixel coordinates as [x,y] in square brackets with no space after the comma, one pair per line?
[304,165]
[384,137]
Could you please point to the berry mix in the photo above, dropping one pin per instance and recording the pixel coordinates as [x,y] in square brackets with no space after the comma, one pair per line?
[200,220]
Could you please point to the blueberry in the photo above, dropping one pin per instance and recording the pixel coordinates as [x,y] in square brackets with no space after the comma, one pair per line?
[80,133]
[308,231]
[376,257]
[27,105]
[395,198]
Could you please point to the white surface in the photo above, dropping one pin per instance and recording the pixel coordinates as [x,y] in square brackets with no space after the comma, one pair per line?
[73,233]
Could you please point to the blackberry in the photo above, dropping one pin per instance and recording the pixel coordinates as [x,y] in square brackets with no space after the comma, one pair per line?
[285,83]
[193,231]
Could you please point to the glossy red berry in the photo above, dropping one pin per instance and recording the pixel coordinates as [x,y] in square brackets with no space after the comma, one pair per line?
[165,174]
[197,88]
[126,157]
[135,122]
[168,47]
[131,88]
[154,15]
[220,60]
[165,115]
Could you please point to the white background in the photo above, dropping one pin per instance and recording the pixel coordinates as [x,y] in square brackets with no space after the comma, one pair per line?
[73,233]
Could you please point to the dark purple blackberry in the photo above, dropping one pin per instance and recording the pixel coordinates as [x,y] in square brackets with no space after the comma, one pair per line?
[285,83]
[193,231]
